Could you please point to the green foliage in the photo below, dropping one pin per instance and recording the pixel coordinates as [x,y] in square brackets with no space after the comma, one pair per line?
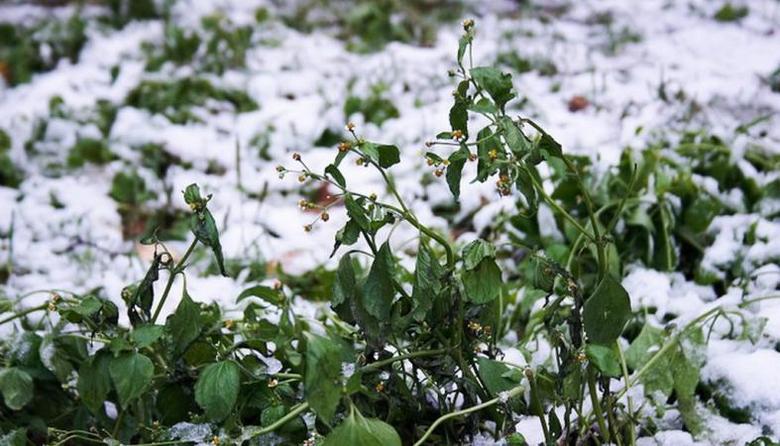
[731,13]
[10,174]
[375,108]
[410,349]
[176,99]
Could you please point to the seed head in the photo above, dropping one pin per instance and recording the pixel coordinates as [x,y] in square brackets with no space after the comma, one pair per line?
[372,197]
[302,178]
[344,146]
[307,228]
[468,25]
[457,135]
[296,156]
[380,387]
[429,143]
[350,127]
[493,154]
[438,172]
[472,157]
[324,216]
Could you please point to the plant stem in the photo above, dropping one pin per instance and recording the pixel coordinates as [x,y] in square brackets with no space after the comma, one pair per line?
[509,394]
[594,400]
[173,272]
[624,367]
[297,410]
[417,354]
[24,313]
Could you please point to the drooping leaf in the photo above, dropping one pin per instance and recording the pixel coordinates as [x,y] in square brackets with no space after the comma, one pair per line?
[204,227]
[606,312]
[427,285]
[483,283]
[131,373]
[357,213]
[357,430]
[94,381]
[322,379]
[185,324]
[475,251]
[455,170]
[217,388]
[378,291]
[143,295]
[17,388]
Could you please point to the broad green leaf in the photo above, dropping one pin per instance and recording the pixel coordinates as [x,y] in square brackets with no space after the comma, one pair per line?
[474,252]
[605,359]
[427,285]
[487,144]
[185,324]
[497,84]
[514,137]
[459,115]
[322,379]
[94,381]
[497,376]
[378,291]
[143,295]
[455,170]
[356,430]
[463,43]
[217,388]
[606,312]
[483,283]
[268,294]
[389,155]
[17,388]
[146,335]
[131,373]
[347,235]
[644,346]
[483,106]
[549,145]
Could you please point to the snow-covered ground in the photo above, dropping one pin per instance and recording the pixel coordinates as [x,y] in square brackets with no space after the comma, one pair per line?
[712,73]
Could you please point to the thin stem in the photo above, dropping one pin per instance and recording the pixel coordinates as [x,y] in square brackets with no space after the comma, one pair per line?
[594,401]
[504,397]
[624,367]
[297,410]
[405,356]
[24,313]
[173,272]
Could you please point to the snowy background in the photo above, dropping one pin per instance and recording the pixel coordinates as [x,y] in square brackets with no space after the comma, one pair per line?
[643,69]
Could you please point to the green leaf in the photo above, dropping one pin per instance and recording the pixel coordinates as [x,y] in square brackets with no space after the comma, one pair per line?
[483,283]
[204,227]
[455,170]
[497,84]
[483,106]
[94,381]
[389,155]
[606,312]
[644,346]
[357,213]
[515,139]
[463,43]
[16,385]
[185,324]
[146,335]
[475,251]
[459,114]
[131,373]
[217,388]
[143,295]
[322,379]
[427,281]
[334,172]
[487,143]
[356,430]
[497,376]
[378,291]
[605,359]
[270,295]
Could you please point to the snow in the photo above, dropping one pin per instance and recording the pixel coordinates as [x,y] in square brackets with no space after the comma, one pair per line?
[300,82]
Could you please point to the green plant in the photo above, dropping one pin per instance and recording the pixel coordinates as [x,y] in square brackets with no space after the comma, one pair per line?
[409,352]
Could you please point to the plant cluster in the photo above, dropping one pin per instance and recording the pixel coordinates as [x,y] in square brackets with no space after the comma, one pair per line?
[407,352]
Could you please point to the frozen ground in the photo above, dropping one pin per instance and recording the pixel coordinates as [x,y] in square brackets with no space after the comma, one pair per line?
[712,74]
